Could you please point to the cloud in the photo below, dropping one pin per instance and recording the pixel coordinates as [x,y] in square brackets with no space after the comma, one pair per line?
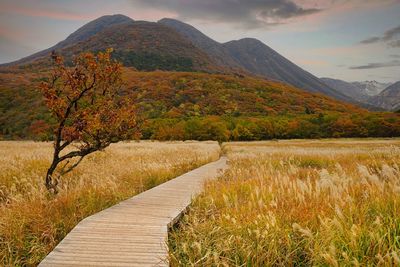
[391,34]
[371,40]
[42,12]
[247,13]
[391,37]
[394,43]
[393,63]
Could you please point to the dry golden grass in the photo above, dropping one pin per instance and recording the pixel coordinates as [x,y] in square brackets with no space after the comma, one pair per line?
[303,203]
[32,222]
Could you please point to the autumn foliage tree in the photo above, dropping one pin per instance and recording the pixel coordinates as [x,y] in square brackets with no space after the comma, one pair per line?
[91,113]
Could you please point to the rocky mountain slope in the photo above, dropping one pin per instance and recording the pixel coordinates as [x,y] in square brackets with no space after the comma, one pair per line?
[372,94]
[347,88]
[371,88]
[388,99]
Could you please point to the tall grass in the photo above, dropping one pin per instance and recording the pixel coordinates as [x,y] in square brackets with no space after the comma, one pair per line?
[32,222]
[303,203]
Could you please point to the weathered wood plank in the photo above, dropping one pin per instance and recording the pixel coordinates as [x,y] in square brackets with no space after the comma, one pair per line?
[133,232]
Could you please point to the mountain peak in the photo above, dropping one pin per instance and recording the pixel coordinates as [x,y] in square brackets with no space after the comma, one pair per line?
[389,98]
[96,26]
[115,17]
[170,20]
[83,33]
[187,30]
[248,40]
[202,41]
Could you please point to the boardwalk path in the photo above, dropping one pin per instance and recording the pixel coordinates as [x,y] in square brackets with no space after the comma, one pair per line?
[133,232]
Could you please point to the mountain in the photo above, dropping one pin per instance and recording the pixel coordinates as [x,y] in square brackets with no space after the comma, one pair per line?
[239,90]
[214,49]
[140,44]
[388,99]
[79,35]
[353,90]
[254,57]
[176,46]
[258,58]
[371,93]
[148,46]
[371,88]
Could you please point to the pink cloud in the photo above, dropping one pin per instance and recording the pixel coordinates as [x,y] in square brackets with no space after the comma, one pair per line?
[46,13]
[10,34]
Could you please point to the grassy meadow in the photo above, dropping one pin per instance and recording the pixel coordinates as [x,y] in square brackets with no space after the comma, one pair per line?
[297,203]
[32,222]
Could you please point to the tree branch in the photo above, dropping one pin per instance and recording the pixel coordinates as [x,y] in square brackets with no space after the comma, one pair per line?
[80,153]
[64,145]
[62,172]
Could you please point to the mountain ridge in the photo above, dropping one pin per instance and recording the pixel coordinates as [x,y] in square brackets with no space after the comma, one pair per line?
[204,42]
[270,67]
[347,88]
[260,59]
[206,54]
[139,41]
[370,93]
[172,45]
[372,88]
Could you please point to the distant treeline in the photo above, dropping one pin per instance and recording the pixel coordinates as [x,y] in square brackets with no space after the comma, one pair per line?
[246,129]
[226,128]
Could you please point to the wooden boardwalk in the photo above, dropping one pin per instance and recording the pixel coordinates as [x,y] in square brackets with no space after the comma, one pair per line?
[133,232]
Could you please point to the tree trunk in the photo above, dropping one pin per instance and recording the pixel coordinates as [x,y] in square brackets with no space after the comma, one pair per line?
[51,184]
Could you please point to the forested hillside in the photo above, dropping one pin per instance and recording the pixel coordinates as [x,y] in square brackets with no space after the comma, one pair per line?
[179,105]
[143,45]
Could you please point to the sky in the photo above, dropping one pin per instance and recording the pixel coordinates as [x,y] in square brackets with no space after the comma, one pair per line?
[352,40]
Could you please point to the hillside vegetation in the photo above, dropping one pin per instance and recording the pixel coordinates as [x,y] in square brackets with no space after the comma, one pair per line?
[297,203]
[202,106]
[143,45]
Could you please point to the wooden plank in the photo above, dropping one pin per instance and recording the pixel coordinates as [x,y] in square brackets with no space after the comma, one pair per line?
[133,232]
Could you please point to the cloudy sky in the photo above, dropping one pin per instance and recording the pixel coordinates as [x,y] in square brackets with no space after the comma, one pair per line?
[345,39]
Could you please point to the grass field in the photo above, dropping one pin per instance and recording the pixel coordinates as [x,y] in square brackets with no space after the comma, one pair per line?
[32,222]
[297,203]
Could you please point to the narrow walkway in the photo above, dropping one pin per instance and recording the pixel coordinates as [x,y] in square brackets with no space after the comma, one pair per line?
[133,232]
